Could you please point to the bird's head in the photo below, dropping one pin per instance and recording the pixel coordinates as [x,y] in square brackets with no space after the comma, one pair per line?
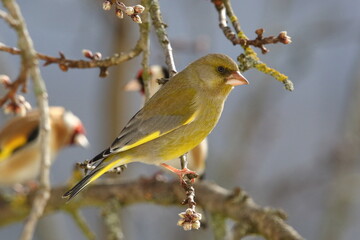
[137,84]
[217,73]
[75,128]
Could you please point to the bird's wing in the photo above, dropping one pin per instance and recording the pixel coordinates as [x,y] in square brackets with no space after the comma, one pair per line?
[17,134]
[160,116]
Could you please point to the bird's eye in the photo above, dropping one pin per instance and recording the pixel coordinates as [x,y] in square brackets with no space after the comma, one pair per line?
[221,69]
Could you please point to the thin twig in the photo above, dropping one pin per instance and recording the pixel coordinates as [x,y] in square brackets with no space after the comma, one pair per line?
[81,223]
[112,220]
[249,58]
[30,62]
[65,64]
[144,32]
[160,26]
[9,19]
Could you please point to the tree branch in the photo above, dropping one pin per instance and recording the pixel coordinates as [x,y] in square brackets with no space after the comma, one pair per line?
[160,26]
[65,64]
[249,58]
[236,204]
[29,63]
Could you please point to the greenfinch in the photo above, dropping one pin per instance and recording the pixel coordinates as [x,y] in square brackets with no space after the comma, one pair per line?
[196,158]
[20,157]
[175,120]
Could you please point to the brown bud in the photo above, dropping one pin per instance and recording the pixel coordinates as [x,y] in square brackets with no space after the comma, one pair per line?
[103,72]
[139,8]
[119,13]
[27,106]
[107,5]
[8,108]
[196,225]
[20,110]
[97,56]
[259,31]
[5,80]
[136,18]
[20,98]
[63,67]
[284,38]
[187,226]
[87,53]
[129,11]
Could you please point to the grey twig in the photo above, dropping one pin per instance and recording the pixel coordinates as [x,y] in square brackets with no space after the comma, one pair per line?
[144,32]
[29,61]
[160,26]
[81,223]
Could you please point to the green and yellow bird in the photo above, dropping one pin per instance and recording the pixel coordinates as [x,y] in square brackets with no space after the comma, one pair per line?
[196,157]
[175,120]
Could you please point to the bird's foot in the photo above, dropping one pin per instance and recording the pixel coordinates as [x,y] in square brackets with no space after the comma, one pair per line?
[118,170]
[191,175]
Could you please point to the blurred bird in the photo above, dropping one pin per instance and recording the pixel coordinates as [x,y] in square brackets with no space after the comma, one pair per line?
[175,120]
[196,157]
[20,158]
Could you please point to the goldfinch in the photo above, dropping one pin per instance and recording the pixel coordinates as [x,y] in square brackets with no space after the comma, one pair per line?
[20,146]
[196,157]
[175,120]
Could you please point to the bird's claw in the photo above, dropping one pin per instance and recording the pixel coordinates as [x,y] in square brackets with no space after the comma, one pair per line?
[182,173]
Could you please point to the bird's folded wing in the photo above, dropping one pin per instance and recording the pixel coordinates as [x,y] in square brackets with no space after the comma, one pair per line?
[160,116]
[17,134]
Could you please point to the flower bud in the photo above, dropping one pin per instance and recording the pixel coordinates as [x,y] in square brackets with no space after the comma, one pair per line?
[107,5]
[5,80]
[259,31]
[129,11]
[63,67]
[87,53]
[136,18]
[180,222]
[139,8]
[8,108]
[284,38]
[187,226]
[20,110]
[196,225]
[97,56]
[119,13]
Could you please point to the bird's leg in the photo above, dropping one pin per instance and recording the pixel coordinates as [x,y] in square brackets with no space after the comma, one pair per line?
[181,172]
[118,169]
[86,166]
[183,161]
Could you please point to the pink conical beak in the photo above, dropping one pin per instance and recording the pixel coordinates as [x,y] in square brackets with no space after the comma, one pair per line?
[236,79]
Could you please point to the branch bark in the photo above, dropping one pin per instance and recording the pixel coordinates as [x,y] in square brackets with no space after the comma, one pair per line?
[236,204]
[160,26]
[29,61]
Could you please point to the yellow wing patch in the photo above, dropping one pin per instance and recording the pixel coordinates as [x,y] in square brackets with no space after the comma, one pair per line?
[6,151]
[192,118]
[142,141]
[105,169]
[156,134]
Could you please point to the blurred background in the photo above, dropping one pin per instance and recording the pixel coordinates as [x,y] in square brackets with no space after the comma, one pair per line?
[298,151]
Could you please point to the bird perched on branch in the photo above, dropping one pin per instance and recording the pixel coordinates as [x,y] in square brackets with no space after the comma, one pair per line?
[20,154]
[175,120]
[196,157]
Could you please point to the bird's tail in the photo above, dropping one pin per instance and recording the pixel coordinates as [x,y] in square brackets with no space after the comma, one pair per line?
[92,176]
